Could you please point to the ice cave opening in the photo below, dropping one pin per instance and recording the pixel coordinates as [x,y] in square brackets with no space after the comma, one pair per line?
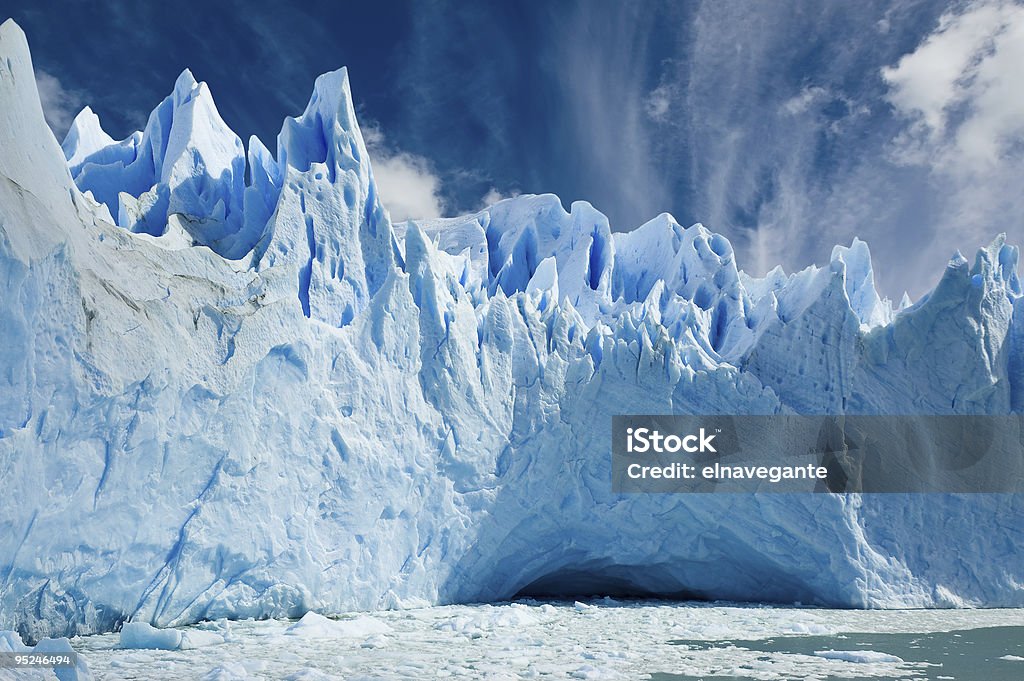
[599,579]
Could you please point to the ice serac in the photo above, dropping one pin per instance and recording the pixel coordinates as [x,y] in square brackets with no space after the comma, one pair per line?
[329,224]
[86,140]
[186,167]
[261,399]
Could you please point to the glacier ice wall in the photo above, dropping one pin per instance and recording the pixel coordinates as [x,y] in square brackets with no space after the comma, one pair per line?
[229,398]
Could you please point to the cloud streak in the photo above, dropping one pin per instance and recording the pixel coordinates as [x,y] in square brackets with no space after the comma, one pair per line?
[607,109]
[791,128]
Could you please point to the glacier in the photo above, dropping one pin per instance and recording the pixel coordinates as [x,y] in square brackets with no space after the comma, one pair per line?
[231,387]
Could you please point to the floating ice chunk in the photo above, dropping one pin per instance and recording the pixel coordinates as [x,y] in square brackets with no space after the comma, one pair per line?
[145,636]
[586,671]
[310,674]
[142,635]
[808,629]
[314,625]
[229,671]
[376,641]
[198,638]
[859,656]
[489,619]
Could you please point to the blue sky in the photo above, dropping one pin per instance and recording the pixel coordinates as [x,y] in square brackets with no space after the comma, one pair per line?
[787,126]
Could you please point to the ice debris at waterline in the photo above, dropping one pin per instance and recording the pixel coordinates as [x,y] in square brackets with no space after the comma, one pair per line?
[221,399]
[608,639]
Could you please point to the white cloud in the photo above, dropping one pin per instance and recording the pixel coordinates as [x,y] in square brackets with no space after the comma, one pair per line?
[813,99]
[59,104]
[659,102]
[964,89]
[493,196]
[408,187]
[808,97]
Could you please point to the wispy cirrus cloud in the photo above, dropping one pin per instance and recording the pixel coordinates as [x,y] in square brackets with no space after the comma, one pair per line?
[791,131]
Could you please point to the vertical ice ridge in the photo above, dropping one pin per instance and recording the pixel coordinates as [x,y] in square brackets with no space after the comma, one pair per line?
[328,216]
[29,154]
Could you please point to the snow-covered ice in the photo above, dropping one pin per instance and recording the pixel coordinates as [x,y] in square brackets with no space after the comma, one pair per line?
[221,400]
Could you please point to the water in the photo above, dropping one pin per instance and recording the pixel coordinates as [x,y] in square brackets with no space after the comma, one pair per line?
[987,653]
[599,639]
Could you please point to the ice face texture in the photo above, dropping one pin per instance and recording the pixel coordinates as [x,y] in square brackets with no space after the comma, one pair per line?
[229,400]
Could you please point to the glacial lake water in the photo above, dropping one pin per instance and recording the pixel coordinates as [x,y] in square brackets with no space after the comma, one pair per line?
[595,639]
[985,654]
